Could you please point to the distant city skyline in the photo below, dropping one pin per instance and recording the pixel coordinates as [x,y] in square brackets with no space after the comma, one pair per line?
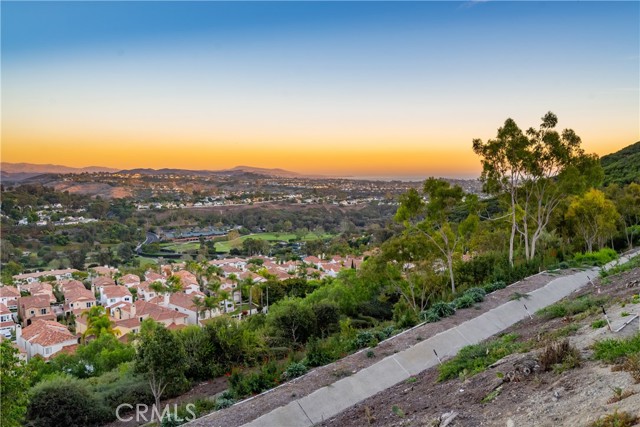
[395,89]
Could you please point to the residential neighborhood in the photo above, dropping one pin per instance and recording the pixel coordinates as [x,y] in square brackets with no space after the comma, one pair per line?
[47,312]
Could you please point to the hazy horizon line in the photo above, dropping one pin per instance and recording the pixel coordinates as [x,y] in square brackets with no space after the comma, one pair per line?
[367,176]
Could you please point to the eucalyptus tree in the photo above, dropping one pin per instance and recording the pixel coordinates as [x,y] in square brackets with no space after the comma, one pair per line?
[627,201]
[434,219]
[536,170]
[504,165]
[594,217]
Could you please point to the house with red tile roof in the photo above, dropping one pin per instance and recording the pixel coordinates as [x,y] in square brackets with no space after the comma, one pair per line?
[188,279]
[7,324]
[35,277]
[282,275]
[34,308]
[183,303]
[44,338]
[312,260]
[129,280]
[120,310]
[40,289]
[228,270]
[144,291]
[105,271]
[103,281]
[9,296]
[152,276]
[143,309]
[110,295]
[77,298]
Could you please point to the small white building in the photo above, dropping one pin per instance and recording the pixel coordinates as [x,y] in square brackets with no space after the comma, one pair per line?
[45,338]
[9,296]
[7,324]
[110,295]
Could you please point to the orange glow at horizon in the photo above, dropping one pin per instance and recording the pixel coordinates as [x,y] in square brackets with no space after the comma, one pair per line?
[382,156]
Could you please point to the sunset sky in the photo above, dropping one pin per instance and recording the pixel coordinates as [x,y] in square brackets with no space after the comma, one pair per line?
[361,88]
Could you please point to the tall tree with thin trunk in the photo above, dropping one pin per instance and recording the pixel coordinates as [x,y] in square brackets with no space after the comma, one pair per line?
[161,357]
[557,167]
[536,170]
[434,218]
[504,165]
[594,218]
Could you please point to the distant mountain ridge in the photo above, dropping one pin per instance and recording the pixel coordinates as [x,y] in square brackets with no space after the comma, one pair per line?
[31,168]
[623,166]
[237,170]
[25,170]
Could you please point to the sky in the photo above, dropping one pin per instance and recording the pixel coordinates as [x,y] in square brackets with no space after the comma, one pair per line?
[335,88]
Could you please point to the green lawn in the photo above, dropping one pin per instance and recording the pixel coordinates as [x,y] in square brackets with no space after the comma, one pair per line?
[271,237]
[181,247]
[144,261]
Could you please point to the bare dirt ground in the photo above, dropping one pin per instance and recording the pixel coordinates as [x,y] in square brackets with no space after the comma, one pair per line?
[248,410]
[576,397]
[93,189]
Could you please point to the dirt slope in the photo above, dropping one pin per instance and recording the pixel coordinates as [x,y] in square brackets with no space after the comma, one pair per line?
[575,397]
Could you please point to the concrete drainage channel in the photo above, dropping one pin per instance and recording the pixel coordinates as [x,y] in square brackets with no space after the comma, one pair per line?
[329,401]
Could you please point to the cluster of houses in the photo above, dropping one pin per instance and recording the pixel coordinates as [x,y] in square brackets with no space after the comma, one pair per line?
[30,309]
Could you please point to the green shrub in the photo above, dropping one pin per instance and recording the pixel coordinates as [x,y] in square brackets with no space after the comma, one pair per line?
[443,309]
[473,359]
[492,287]
[404,316]
[171,420]
[318,353]
[204,406]
[621,268]
[364,339]
[384,333]
[614,350]
[429,316]
[617,419]
[222,402]
[598,258]
[571,307]
[464,301]
[65,401]
[476,358]
[242,385]
[477,294]
[294,370]
[597,324]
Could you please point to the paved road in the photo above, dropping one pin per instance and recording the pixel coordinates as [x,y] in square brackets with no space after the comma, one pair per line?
[150,238]
[329,401]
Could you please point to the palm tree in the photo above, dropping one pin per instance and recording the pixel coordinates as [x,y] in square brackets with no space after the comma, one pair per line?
[210,303]
[174,284]
[223,296]
[199,304]
[98,323]
[157,287]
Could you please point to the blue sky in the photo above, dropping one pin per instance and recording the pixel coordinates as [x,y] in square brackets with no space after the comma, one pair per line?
[398,80]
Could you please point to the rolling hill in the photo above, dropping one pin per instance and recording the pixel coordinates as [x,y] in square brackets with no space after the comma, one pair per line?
[32,168]
[622,167]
